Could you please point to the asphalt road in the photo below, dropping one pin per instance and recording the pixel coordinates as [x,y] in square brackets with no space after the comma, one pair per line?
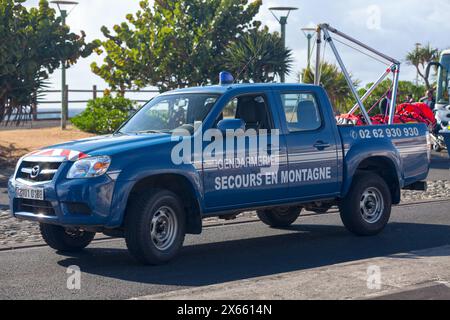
[220,254]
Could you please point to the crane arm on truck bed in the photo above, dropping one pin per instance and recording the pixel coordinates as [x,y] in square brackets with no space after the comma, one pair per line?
[394,67]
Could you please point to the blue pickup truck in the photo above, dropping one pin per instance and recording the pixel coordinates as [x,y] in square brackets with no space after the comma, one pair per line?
[217,151]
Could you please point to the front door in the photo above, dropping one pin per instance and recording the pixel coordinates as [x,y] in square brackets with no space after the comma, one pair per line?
[241,174]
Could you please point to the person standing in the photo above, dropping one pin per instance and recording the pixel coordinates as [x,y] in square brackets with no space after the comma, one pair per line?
[409,98]
[429,99]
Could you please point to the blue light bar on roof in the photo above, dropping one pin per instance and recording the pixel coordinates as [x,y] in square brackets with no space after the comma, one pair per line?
[225,78]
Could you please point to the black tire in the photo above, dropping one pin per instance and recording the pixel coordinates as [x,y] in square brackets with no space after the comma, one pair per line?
[366,208]
[65,240]
[152,209]
[437,147]
[279,217]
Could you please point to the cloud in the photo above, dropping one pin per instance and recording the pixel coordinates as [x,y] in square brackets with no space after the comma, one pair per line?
[402,23]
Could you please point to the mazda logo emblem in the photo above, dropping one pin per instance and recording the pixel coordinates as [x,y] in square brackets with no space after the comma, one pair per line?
[35,172]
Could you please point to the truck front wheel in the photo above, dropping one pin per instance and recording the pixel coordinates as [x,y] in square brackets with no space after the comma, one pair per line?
[366,209]
[279,217]
[155,227]
[65,240]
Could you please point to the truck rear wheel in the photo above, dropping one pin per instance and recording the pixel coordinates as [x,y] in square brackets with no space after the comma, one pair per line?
[65,240]
[155,227]
[279,217]
[366,208]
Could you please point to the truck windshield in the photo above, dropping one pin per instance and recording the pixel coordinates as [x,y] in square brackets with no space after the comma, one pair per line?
[443,80]
[169,112]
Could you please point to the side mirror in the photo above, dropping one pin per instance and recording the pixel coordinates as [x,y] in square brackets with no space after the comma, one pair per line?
[432,64]
[231,124]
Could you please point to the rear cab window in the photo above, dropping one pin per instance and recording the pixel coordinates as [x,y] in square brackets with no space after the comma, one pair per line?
[301,110]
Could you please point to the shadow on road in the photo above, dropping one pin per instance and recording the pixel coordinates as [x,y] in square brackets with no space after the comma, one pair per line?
[439,161]
[308,246]
[442,164]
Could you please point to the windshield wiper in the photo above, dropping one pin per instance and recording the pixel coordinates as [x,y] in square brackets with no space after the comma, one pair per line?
[150,131]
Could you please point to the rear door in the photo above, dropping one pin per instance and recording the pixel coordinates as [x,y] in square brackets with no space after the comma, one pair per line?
[311,145]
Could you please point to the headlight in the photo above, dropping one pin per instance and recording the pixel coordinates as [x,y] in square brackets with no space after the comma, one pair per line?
[89,167]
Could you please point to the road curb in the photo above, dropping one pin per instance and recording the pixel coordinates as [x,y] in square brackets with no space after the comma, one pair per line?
[208,224]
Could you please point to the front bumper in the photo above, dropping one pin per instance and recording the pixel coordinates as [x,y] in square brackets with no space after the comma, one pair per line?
[79,202]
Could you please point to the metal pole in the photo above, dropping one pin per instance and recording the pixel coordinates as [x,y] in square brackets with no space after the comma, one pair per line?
[283,22]
[371,89]
[394,94]
[34,106]
[318,62]
[66,101]
[309,37]
[64,106]
[343,35]
[417,72]
[347,76]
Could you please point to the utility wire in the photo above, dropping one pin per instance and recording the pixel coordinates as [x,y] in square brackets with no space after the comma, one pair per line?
[312,49]
[361,51]
[246,65]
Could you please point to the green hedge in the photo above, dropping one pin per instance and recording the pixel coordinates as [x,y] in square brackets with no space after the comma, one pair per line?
[104,115]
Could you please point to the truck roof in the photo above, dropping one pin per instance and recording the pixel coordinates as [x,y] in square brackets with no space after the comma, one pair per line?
[221,89]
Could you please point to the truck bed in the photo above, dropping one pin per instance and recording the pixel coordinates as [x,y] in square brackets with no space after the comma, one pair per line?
[404,144]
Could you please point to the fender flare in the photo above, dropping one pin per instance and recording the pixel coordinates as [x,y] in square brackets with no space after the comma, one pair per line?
[358,154]
[124,189]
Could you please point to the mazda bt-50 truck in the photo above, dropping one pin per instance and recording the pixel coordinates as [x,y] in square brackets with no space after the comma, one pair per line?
[216,151]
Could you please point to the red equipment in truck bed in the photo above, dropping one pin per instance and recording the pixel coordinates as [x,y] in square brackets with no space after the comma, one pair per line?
[405,113]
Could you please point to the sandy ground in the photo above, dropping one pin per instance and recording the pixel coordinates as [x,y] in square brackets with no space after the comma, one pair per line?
[15,143]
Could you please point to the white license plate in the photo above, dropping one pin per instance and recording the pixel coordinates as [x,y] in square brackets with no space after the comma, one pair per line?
[30,193]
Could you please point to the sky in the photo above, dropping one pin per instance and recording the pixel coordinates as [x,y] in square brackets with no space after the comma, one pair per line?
[393,27]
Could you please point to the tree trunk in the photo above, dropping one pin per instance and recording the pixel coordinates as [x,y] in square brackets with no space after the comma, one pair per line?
[425,79]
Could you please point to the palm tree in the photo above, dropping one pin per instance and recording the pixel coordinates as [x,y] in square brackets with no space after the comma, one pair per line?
[258,56]
[420,57]
[333,81]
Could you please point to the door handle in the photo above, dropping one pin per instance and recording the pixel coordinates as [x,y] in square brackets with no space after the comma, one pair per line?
[320,145]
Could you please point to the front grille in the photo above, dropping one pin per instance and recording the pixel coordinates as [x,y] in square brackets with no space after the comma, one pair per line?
[34,171]
[35,206]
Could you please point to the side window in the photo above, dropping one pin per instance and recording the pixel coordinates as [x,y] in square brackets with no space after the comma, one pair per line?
[253,109]
[302,111]
[229,112]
